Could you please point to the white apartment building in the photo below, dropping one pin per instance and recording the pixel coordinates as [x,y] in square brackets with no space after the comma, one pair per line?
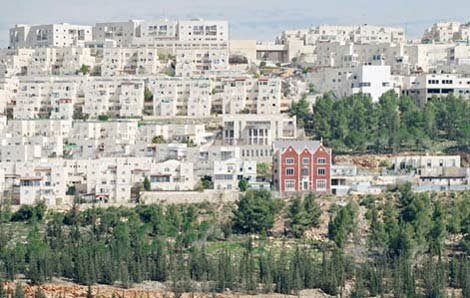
[203,30]
[426,86]
[444,32]
[249,95]
[254,129]
[53,35]
[426,164]
[38,181]
[403,58]
[123,33]
[109,179]
[131,61]
[38,127]
[255,133]
[164,29]
[39,97]
[100,96]
[33,99]
[9,88]
[181,96]
[172,175]
[363,34]
[59,61]
[44,61]
[15,62]
[228,173]
[63,97]
[115,97]
[93,139]
[131,99]
[19,149]
[208,155]
[166,35]
[268,100]
[190,62]
[165,96]
[176,151]
[199,102]
[235,95]
[373,80]
[181,133]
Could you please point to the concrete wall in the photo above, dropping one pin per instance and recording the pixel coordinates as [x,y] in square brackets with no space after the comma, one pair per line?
[182,197]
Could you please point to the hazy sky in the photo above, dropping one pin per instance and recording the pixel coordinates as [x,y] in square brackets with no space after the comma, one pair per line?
[249,19]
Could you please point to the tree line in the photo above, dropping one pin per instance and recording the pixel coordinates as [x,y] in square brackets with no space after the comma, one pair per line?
[392,124]
[201,248]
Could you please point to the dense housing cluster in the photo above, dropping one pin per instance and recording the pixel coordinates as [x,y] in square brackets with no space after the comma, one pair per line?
[122,111]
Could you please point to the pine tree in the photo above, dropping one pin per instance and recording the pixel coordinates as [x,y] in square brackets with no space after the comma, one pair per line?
[147,185]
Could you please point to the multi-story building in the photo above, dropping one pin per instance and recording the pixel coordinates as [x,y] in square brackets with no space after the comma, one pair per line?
[130,60]
[357,34]
[123,33]
[63,96]
[164,29]
[425,87]
[442,32]
[250,95]
[199,101]
[373,80]
[33,99]
[53,35]
[199,30]
[254,134]
[120,97]
[19,149]
[173,132]
[45,61]
[190,62]
[93,139]
[426,164]
[39,127]
[38,181]
[169,36]
[165,96]
[228,173]
[15,62]
[131,99]
[301,166]
[181,96]
[172,175]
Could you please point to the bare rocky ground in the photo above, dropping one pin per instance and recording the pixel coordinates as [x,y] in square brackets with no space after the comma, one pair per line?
[61,289]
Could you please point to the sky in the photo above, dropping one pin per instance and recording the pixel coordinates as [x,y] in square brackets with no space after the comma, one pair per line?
[249,19]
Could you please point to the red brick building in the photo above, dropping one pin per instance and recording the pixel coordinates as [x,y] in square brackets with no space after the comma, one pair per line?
[301,166]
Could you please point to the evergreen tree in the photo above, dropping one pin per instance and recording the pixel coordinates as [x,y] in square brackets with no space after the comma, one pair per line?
[147,186]
[255,213]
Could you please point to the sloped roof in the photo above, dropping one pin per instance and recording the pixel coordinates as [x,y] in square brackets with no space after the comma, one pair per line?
[298,145]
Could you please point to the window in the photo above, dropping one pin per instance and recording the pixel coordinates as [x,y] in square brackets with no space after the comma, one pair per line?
[290,185]
[321,172]
[289,161]
[305,161]
[321,161]
[290,171]
[321,185]
[305,172]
